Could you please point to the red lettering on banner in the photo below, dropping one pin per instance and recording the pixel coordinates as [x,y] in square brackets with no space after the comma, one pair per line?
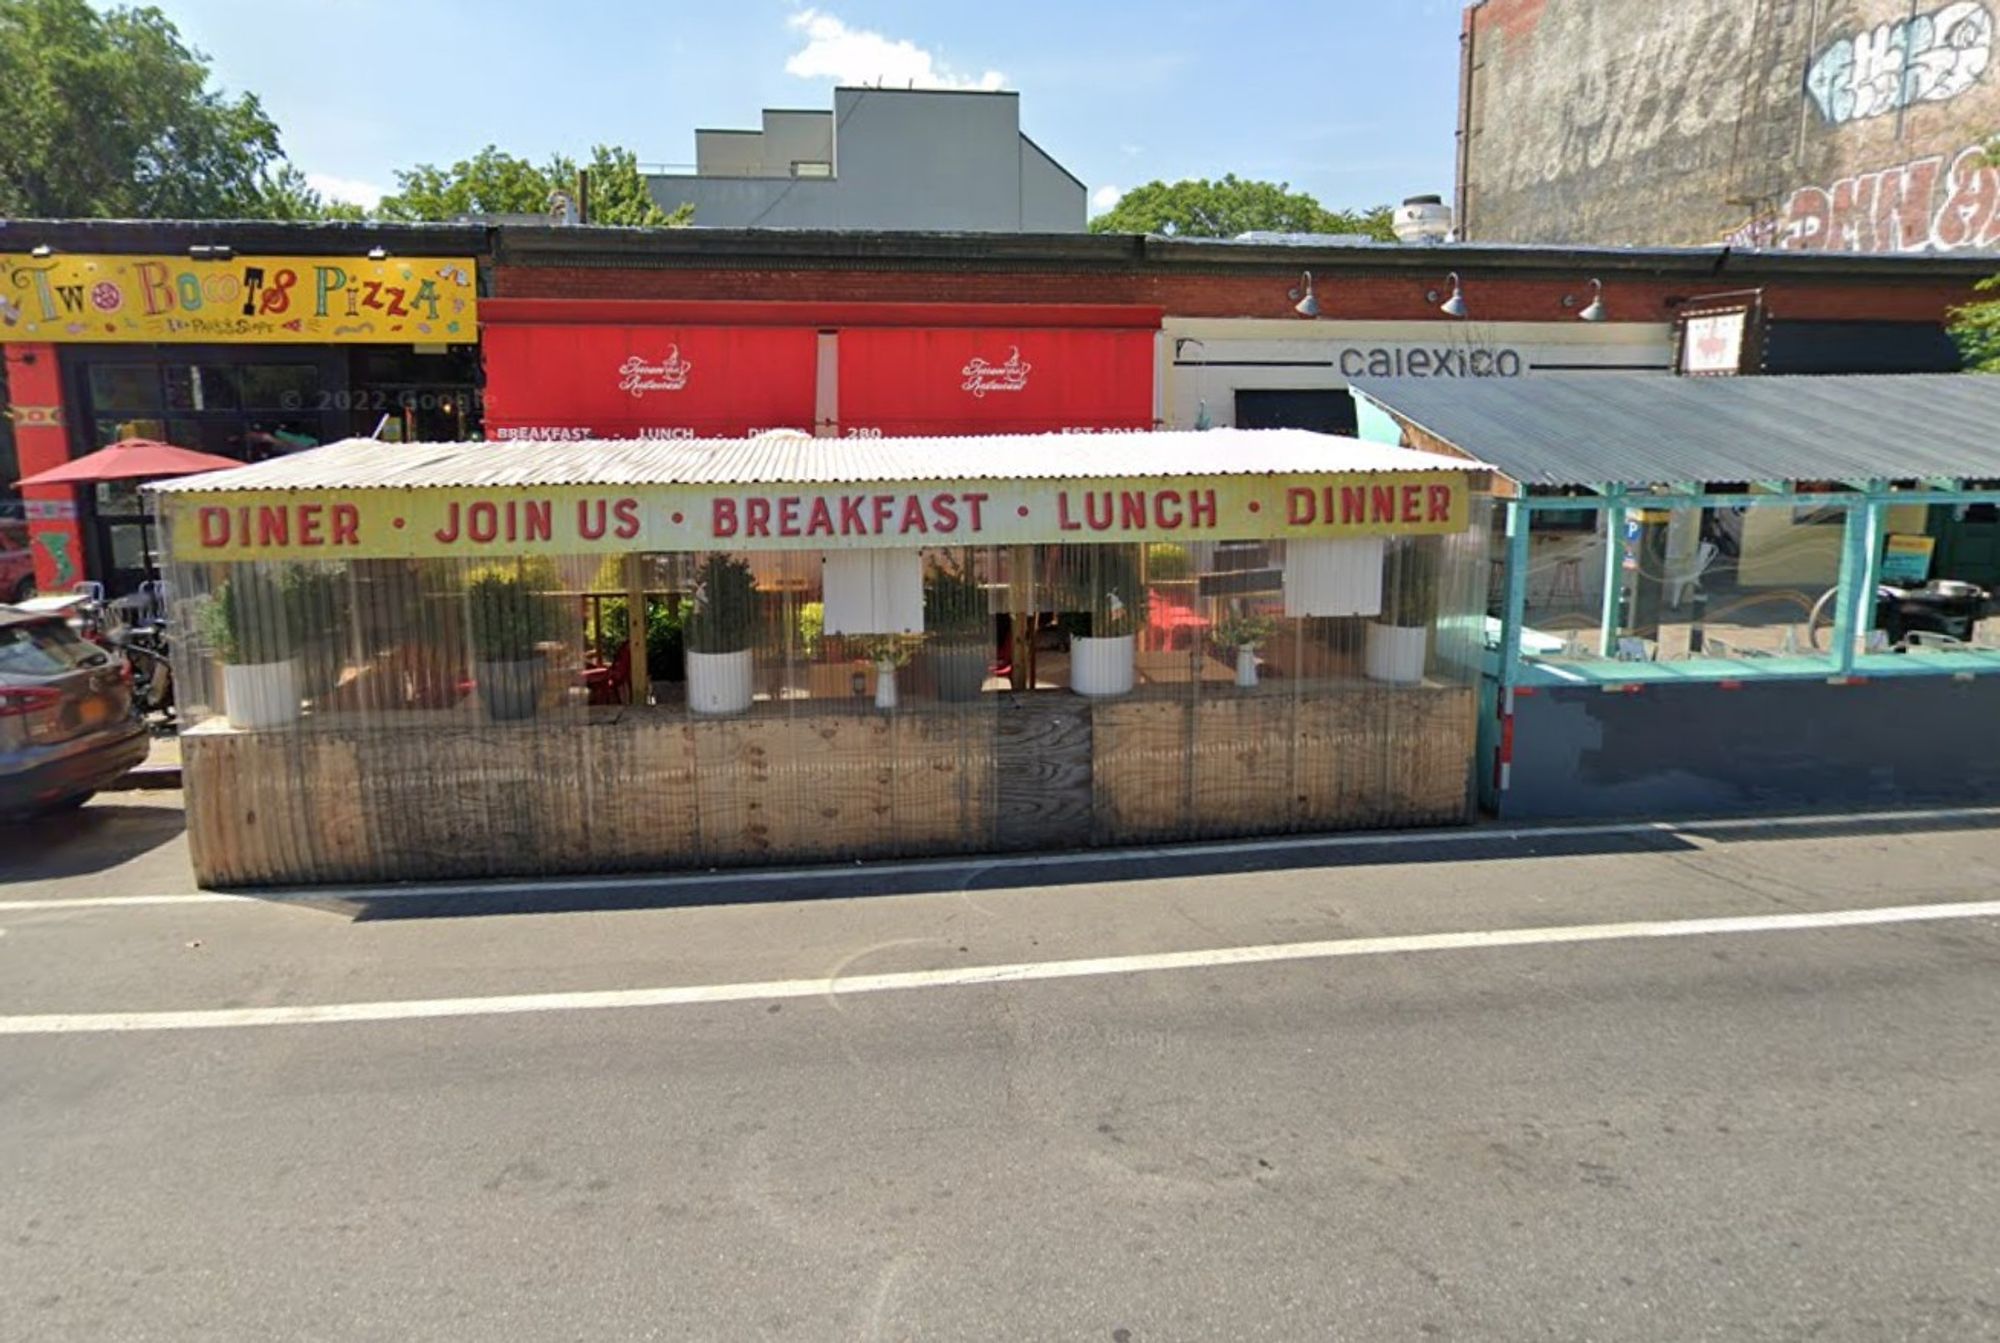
[273,527]
[913,516]
[821,521]
[1092,519]
[1353,504]
[1413,503]
[788,515]
[880,505]
[214,527]
[1440,503]
[946,508]
[1132,510]
[590,522]
[482,523]
[1064,522]
[722,518]
[1171,521]
[756,516]
[309,534]
[1382,500]
[851,523]
[1201,508]
[627,513]
[449,532]
[540,520]
[347,525]
[1301,509]
[975,502]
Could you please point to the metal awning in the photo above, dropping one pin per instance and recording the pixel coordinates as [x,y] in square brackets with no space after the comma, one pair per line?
[1636,430]
[796,459]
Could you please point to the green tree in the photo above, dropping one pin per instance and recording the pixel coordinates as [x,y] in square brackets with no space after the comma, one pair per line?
[111,115]
[1976,326]
[1199,208]
[494,182]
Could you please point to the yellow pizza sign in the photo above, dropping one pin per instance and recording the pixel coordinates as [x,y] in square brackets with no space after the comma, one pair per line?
[263,299]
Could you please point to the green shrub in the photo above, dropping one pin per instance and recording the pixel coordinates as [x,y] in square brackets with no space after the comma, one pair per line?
[1241,629]
[665,642]
[1168,563]
[1412,583]
[955,603]
[264,613]
[510,612]
[724,615]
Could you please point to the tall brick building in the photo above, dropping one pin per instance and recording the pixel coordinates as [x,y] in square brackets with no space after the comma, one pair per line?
[1850,125]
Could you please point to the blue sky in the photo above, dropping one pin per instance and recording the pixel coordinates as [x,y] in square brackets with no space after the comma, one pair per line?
[1352,100]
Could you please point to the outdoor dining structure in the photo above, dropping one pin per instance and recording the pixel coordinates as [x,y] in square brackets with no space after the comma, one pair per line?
[407,661]
[1717,594]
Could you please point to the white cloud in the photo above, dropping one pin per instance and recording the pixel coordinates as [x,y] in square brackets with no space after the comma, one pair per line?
[858,56]
[352,190]
[1105,198]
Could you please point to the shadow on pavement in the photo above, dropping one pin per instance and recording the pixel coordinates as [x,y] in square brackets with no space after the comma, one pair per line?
[558,895]
[90,839]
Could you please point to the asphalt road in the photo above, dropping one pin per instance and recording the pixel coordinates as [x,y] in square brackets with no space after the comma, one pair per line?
[1778,1134]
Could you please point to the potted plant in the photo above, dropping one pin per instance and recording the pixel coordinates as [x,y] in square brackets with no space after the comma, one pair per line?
[957,618]
[512,619]
[1399,639]
[247,621]
[1104,584]
[718,630]
[1245,631]
[887,652]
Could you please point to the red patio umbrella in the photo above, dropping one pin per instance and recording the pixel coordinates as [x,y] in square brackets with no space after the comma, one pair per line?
[131,459]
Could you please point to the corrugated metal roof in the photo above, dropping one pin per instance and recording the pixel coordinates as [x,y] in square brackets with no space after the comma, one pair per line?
[794,459]
[1655,429]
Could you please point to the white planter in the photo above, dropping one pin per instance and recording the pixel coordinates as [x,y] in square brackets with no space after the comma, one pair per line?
[719,682]
[885,685]
[261,694]
[1396,654]
[1246,665]
[1101,666]
[509,690]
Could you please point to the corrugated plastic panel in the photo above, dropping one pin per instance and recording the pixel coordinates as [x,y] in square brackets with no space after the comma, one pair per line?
[780,459]
[1649,429]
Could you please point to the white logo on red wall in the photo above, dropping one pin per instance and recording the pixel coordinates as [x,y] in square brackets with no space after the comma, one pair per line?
[639,377]
[982,376]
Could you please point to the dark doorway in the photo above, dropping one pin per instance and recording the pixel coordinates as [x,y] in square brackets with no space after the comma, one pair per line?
[1325,412]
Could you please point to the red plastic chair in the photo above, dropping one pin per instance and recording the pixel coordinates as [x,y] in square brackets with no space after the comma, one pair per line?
[611,683]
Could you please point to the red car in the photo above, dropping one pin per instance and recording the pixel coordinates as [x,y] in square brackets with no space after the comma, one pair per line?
[17,568]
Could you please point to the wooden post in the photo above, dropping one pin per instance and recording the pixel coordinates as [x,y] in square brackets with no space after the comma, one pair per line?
[635,625]
[1021,613]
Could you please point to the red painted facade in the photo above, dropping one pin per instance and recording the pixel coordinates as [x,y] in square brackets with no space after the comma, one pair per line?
[34,381]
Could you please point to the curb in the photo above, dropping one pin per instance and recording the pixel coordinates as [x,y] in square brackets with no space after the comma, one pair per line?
[145,777]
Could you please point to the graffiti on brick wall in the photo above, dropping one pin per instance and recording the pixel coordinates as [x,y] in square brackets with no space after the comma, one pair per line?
[1925,205]
[1925,59]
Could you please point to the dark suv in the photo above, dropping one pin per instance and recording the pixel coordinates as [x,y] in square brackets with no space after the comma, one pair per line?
[66,722]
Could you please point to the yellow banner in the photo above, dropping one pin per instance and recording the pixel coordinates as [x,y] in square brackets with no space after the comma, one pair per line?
[575,520]
[262,299]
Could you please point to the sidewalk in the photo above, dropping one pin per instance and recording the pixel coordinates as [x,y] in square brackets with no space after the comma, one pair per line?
[160,769]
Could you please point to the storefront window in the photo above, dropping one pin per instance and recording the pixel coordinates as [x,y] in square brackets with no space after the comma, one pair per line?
[125,387]
[280,386]
[201,387]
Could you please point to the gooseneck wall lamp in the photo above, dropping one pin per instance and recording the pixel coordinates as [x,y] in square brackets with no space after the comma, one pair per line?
[1303,302]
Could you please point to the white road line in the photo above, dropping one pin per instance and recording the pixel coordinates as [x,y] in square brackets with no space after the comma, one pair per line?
[971,976]
[641,881]
[124,901]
